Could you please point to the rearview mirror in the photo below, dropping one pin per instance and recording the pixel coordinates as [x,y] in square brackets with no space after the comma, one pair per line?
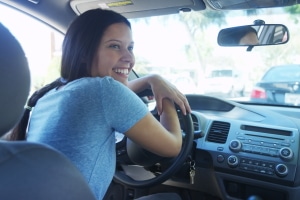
[254,35]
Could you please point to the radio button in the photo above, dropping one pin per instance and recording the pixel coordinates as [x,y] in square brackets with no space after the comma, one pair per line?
[265,150]
[257,149]
[286,153]
[270,171]
[240,137]
[247,148]
[285,144]
[273,152]
[235,145]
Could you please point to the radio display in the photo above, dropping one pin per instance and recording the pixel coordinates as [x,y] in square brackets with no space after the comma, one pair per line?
[266,130]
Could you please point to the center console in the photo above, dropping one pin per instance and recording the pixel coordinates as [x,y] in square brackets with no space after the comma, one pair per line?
[267,152]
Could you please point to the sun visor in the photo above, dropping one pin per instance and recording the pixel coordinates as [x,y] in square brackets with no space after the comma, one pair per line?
[138,8]
[248,4]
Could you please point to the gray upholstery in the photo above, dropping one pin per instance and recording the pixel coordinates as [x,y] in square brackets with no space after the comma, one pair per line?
[27,170]
[14,80]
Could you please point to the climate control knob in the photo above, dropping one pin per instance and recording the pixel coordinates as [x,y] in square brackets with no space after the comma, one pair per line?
[281,170]
[235,145]
[232,161]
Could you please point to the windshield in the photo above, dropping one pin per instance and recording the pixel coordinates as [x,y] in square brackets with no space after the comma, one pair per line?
[183,48]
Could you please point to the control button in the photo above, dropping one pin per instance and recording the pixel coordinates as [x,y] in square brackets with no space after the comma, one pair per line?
[256,163]
[235,145]
[273,152]
[262,171]
[275,144]
[240,137]
[243,160]
[220,148]
[285,144]
[246,148]
[256,142]
[250,162]
[257,149]
[264,150]
[268,144]
[220,158]
[281,170]
[244,167]
[286,153]
[269,171]
[232,161]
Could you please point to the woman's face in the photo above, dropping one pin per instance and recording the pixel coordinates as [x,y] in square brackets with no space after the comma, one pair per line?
[114,56]
[249,39]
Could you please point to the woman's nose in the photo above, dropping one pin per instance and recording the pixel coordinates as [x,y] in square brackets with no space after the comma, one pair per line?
[127,56]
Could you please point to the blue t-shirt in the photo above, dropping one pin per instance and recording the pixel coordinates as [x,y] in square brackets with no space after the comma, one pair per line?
[80,119]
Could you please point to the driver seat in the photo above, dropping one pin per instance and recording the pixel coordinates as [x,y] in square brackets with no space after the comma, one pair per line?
[29,170]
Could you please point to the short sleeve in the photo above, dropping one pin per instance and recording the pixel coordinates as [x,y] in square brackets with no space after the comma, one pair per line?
[122,107]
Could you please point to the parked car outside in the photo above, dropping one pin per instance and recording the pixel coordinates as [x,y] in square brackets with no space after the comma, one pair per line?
[231,86]
[279,85]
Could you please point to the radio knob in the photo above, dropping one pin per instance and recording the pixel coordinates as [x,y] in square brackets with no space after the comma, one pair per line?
[235,145]
[232,161]
[281,170]
[286,153]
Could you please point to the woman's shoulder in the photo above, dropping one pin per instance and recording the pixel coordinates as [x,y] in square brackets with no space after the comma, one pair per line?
[93,82]
[97,86]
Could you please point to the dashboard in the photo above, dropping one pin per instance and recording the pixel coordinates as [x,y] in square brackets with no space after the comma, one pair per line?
[245,150]
[240,151]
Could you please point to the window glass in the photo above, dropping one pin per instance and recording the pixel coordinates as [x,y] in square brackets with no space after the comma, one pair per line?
[41,44]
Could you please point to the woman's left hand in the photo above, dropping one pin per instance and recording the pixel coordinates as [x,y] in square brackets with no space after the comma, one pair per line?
[162,88]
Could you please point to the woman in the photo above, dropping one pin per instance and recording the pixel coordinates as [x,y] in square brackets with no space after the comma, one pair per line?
[79,113]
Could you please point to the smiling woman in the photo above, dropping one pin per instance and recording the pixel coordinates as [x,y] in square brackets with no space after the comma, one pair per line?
[97,50]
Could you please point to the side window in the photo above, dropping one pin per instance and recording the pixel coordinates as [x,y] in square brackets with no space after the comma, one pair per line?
[41,44]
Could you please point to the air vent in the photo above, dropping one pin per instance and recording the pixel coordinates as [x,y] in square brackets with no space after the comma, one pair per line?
[218,132]
[196,123]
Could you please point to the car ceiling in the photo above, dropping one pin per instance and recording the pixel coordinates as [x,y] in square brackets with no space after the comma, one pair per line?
[67,10]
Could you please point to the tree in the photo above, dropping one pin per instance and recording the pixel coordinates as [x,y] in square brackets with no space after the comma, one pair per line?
[294,11]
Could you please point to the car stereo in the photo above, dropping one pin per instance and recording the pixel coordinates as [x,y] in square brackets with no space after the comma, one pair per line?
[251,149]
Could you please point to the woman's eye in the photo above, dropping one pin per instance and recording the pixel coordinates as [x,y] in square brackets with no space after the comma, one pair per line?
[130,48]
[114,46]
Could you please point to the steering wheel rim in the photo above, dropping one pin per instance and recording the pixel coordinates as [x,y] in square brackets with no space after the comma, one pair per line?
[187,144]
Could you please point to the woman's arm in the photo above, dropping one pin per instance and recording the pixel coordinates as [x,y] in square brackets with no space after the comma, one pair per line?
[163,138]
[161,89]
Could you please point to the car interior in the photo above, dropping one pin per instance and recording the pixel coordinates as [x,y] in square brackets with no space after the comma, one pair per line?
[233,149]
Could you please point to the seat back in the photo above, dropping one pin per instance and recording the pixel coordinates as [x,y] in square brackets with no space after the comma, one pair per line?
[29,170]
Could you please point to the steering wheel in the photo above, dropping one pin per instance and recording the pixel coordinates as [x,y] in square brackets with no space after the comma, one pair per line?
[188,137]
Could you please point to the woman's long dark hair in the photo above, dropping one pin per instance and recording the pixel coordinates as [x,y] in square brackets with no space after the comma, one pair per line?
[79,48]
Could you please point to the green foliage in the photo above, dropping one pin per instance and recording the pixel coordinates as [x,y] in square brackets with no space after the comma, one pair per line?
[295,11]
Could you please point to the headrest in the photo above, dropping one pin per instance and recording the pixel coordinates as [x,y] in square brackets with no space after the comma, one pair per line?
[14,80]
